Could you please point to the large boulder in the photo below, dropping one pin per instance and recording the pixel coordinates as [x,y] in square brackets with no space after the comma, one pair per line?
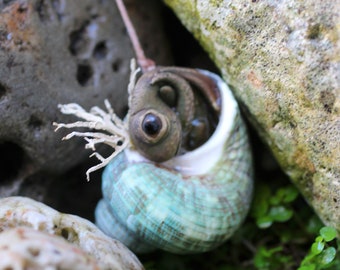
[55,52]
[282,59]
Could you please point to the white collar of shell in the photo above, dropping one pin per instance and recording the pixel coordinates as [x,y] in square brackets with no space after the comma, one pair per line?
[203,158]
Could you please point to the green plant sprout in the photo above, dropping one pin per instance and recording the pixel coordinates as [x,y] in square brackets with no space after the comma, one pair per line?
[271,258]
[268,208]
[271,207]
[322,253]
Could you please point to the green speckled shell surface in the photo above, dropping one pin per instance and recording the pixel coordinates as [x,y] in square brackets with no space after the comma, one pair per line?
[148,206]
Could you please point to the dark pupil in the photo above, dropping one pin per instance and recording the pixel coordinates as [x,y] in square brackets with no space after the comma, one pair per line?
[151,124]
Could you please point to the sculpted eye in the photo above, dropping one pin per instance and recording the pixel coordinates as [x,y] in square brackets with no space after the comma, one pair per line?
[152,124]
[148,128]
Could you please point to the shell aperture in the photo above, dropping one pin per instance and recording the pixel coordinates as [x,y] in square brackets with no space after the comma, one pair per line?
[170,112]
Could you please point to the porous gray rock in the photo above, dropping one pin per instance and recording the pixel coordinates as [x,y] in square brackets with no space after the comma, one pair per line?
[54,52]
[282,60]
[57,52]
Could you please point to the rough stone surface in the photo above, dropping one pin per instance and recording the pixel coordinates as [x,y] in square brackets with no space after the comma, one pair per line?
[21,212]
[282,59]
[23,248]
[51,52]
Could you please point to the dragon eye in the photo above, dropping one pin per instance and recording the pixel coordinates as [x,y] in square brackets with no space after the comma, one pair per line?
[151,124]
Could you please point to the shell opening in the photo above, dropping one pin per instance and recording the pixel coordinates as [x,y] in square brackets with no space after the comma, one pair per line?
[202,159]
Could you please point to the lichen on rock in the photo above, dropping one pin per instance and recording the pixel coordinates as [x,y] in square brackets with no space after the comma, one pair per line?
[282,60]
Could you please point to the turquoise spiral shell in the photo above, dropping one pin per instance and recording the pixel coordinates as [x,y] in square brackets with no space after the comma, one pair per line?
[149,206]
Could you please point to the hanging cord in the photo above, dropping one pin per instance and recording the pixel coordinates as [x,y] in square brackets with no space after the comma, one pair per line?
[146,64]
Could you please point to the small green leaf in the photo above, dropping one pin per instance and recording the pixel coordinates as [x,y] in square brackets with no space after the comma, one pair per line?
[275,200]
[260,259]
[264,222]
[260,204]
[307,267]
[308,259]
[290,194]
[328,255]
[319,239]
[317,247]
[328,233]
[280,213]
[274,250]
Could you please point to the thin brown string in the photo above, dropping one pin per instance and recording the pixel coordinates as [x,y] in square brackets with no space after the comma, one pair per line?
[146,64]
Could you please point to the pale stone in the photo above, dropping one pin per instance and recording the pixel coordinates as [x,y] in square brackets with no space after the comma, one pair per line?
[282,59]
[24,248]
[107,253]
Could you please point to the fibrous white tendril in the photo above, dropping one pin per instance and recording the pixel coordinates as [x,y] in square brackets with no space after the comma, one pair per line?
[114,130]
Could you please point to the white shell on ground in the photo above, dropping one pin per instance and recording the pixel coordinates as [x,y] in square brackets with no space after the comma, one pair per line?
[18,212]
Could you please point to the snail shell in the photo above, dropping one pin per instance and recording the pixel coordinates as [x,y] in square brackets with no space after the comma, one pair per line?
[190,203]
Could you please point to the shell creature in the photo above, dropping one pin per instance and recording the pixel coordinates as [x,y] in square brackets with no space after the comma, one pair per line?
[180,178]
